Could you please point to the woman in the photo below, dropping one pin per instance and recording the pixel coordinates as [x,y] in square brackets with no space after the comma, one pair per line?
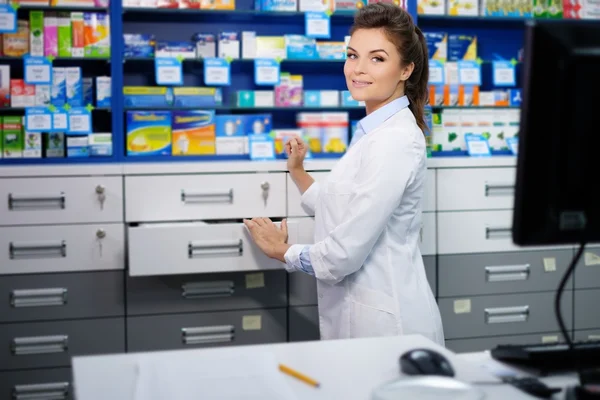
[366,258]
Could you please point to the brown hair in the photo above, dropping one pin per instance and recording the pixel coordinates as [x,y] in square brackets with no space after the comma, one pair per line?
[410,42]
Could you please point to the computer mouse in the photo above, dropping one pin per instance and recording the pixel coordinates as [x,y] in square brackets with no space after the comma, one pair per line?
[425,362]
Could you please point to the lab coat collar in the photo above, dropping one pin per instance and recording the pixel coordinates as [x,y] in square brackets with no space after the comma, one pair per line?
[376,118]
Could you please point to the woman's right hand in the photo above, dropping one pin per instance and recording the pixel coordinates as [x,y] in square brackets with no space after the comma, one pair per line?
[296,150]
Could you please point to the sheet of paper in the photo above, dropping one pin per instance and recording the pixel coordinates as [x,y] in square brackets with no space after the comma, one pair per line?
[211,376]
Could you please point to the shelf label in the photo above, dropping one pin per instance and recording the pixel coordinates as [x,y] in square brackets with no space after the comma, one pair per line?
[217,72]
[38,70]
[469,73]
[503,73]
[80,121]
[8,19]
[436,72]
[318,25]
[266,71]
[513,145]
[477,145]
[38,119]
[262,147]
[168,71]
[60,121]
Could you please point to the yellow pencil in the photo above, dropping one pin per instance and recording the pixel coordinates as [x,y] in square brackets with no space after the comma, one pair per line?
[298,375]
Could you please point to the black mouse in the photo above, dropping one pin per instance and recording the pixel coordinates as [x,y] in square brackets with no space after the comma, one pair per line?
[425,362]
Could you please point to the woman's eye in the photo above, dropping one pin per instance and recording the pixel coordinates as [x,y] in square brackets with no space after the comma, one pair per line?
[377,59]
[351,56]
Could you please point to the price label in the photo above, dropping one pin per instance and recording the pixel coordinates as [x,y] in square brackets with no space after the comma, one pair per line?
[38,70]
[8,19]
[266,72]
[168,71]
[80,121]
[262,147]
[504,73]
[60,121]
[38,119]
[513,145]
[436,72]
[477,145]
[469,73]
[217,72]
[318,25]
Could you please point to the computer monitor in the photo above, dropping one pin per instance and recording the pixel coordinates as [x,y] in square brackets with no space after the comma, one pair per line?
[558,163]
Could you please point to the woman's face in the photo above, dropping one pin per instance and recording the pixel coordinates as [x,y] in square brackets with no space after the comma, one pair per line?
[373,69]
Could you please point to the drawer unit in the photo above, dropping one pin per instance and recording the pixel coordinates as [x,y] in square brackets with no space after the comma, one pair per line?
[206,292]
[476,189]
[498,315]
[488,343]
[591,334]
[60,248]
[53,344]
[587,272]
[203,197]
[302,289]
[294,197]
[430,269]
[182,331]
[190,248]
[61,296]
[30,201]
[586,309]
[428,239]
[495,273]
[37,384]
[303,323]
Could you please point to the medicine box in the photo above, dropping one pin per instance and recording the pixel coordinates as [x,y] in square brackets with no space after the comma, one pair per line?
[462,47]
[32,145]
[321,98]
[256,124]
[54,145]
[230,136]
[4,86]
[193,132]
[100,144]
[147,96]
[77,146]
[64,34]
[12,136]
[103,91]
[50,34]
[255,98]
[229,45]
[200,97]
[437,43]
[36,33]
[58,91]
[74,86]
[148,133]
[77,36]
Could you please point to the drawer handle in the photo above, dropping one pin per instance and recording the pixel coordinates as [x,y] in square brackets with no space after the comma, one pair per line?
[38,297]
[208,248]
[207,196]
[207,334]
[49,249]
[502,315]
[503,273]
[499,190]
[40,345]
[42,391]
[36,202]
[498,233]
[200,290]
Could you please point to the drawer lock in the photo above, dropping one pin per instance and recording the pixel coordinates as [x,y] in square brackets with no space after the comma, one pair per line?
[215,248]
[208,334]
[36,202]
[503,315]
[45,249]
[201,290]
[39,345]
[504,273]
[38,297]
[46,391]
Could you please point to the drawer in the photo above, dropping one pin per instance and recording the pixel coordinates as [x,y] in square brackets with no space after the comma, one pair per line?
[62,296]
[203,197]
[60,248]
[303,323]
[466,317]
[302,289]
[495,273]
[53,344]
[430,269]
[428,239]
[591,334]
[37,384]
[30,201]
[488,343]
[476,189]
[587,273]
[183,331]
[206,292]
[191,248]
[586,311]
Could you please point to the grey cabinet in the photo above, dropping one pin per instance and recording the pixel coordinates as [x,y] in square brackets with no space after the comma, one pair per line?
[487,343]
[302,289]
[431,271]
[42,384]
[303,323]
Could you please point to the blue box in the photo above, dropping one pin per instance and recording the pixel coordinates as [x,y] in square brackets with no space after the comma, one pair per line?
[201,97]
[255,124]
[147,96]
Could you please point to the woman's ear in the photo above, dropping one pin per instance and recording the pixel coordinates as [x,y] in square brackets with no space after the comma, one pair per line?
[407,71]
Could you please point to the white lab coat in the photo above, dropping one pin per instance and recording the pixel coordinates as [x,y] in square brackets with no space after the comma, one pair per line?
[370,275]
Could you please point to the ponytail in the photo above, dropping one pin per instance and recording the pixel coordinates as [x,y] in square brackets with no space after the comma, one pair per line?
[416,87]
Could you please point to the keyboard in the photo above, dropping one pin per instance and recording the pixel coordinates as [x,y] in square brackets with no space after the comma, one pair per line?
[550,358]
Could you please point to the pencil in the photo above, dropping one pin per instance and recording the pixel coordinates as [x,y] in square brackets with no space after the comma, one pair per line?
[298,375]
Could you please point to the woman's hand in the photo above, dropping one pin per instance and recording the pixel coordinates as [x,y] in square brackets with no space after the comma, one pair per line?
[268,237]
[296,150]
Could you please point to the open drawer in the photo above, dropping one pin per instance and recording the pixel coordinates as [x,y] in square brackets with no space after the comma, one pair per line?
[191,248]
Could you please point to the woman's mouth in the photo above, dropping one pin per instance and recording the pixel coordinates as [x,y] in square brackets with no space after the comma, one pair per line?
[360,84]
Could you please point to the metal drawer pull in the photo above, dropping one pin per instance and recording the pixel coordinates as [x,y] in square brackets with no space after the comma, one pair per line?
[499,190]
[36,202]
[38,297]
[503,273]
[199,290]
[210,248]
[42,391]
[39,345]
[498,233]
[502,315]
[46,249]
[207,196]
[208,334]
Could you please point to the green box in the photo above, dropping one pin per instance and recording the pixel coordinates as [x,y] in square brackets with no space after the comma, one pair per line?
[245,98]
[36,33]
[12,137]
[64,34]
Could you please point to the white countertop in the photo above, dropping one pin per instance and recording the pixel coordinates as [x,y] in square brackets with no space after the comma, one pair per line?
[205,167]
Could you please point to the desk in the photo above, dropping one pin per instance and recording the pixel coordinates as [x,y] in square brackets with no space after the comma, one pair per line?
[346,369]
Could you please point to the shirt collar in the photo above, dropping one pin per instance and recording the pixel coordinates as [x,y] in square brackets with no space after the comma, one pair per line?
[376,118]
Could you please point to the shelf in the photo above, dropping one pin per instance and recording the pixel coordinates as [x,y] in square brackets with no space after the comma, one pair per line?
[238,60]
[58,59]
[56,161]
[235,108]
[476,107]
[216,158]
[61,8]
[449,18]
[22,109]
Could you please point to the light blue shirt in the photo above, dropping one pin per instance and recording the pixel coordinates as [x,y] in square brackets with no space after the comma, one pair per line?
[364,126]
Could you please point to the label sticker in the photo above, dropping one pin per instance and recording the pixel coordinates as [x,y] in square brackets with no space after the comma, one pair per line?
[252,322]
[462,306]
[255,281]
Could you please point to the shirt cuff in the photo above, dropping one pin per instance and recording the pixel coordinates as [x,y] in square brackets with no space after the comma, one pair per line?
[292,256]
